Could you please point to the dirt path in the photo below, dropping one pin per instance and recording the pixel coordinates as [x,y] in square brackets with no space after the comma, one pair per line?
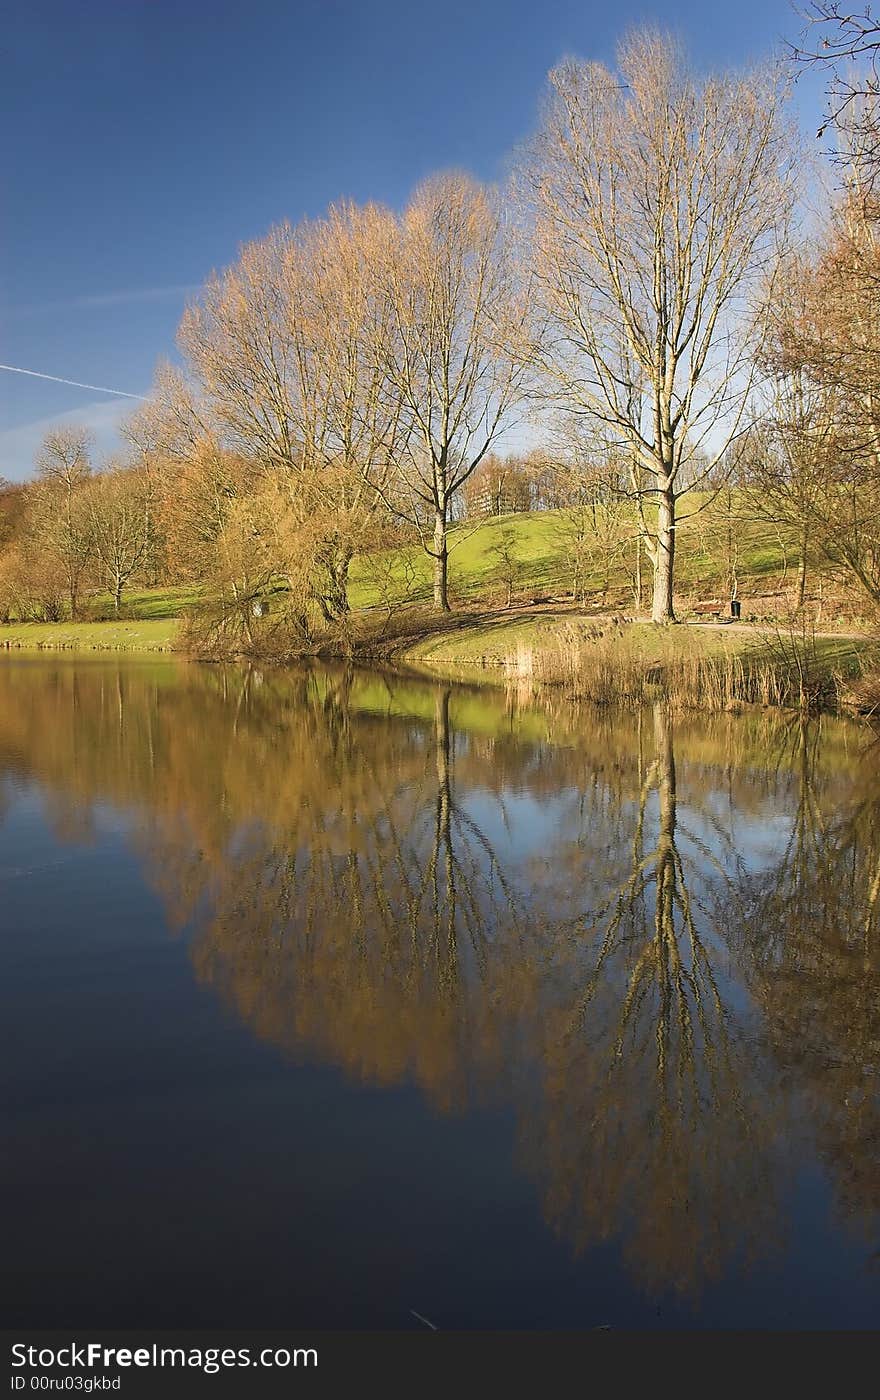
[765,628]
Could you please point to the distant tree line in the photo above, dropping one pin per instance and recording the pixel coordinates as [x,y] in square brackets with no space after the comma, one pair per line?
[73,532]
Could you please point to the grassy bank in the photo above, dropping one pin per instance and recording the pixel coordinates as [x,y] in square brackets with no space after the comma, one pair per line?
[600,659]
[605,661]
[137,635]
[543,639]
[150,622]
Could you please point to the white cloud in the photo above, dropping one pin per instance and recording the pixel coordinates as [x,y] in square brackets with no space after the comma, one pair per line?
[107,299]
[18,446]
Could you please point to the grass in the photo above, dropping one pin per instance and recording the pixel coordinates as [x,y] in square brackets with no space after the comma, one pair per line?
[490,642]
[506,636]
[541,549]
[405,574]
[137,635]
[603,661]
[146,603]
[150,623]
[481,639]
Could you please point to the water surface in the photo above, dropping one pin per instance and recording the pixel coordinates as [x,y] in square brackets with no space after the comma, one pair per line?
[333,997]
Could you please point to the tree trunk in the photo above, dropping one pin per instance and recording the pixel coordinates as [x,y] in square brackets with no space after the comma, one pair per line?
[338,567]
[666,873]
[443,855]
[661,609]
[637,575]
[663,740]
[802,573]
[441,560]
[117,596]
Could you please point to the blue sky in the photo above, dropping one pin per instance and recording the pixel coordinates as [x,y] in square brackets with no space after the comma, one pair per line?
[142,141]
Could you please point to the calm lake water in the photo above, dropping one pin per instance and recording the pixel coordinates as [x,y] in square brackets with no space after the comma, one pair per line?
[329,998]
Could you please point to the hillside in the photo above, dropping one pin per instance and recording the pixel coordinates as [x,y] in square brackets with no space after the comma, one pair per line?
[533,554]
[539,549]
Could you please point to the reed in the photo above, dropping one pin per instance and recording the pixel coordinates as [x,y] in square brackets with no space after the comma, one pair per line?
[604,667]
[861,695]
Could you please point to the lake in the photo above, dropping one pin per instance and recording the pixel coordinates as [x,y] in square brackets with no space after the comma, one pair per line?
[332,998]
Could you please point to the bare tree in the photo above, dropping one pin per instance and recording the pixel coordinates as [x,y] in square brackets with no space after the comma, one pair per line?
[845,45]
[58,515]
[821,459]
[351,322]
[450,358]
[788,465]
[658,200]
[596,521]
[499,486]
[13,500]
[120,512]
[285,347]
[32,581]
[507,563]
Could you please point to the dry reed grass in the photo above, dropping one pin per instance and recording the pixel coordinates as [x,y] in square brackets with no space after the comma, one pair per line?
[605,667]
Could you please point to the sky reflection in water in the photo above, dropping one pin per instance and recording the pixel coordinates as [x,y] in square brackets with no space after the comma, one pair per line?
[334,996]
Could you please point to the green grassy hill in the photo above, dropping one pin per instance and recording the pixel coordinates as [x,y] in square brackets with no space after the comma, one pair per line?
[541,546]
[539,553]
[538,544]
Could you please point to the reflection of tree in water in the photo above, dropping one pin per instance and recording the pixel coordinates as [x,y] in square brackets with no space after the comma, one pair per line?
[361,927]
[657,1120]
[383,935]
[812,928]
[318,836]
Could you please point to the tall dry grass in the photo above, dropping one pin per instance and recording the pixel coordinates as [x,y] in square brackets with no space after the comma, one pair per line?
[606,667]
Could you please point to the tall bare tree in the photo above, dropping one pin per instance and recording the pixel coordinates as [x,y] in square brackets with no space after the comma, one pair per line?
[658,199]
[58,515]
[451,361]
[285,349]
[823,349]
[350,318]
[123,531]
[788,465]
[844,44]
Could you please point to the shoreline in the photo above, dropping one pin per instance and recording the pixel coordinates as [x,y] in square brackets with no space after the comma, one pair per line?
[597,658]
[147,636]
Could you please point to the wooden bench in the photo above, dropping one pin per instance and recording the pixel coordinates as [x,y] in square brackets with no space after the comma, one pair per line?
[714,607]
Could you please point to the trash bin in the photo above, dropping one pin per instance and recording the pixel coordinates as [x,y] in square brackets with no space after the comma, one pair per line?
[735,607]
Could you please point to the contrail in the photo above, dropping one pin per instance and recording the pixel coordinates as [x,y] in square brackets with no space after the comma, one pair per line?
[76,383]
